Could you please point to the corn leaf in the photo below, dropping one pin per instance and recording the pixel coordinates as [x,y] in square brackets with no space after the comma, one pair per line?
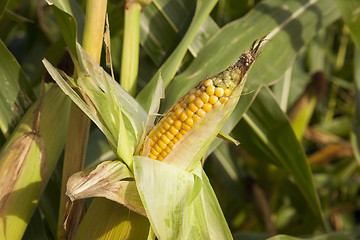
[15,92]
[3,6]
[291,25]
[355,133]
[169,68]
[272,139]
[350,13]
[70,19]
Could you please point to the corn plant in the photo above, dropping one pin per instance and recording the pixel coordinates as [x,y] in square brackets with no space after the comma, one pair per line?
[179,119]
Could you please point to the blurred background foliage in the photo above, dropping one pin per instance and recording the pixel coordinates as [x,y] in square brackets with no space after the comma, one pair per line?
[317,88]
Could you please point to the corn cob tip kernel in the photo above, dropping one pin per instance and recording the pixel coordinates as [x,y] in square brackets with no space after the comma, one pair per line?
[210,93]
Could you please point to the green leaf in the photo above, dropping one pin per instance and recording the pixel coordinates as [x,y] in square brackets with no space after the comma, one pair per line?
[169,68]
[266,134]
[290,25]
[351,14]
[3,6]
[355,128]
[15,93]
[70,19]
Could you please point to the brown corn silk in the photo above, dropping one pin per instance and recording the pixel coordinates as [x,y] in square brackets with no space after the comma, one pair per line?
[210,93]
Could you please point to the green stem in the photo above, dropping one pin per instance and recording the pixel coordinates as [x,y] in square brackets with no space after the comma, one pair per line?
[78,130]
[131,45]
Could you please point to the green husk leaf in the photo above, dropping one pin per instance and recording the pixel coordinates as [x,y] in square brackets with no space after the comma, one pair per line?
[134,114]
[106,219]
[183,206]
[227,138]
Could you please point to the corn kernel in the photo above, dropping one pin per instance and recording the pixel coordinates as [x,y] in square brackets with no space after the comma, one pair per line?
[189,122]
[210,90]
[207,107]
[227,92]
[169,121]
[191,98]
[198,102]
[177,124]
[158,133]
[166,125]
[168,150]
[160,158]
[165,139]
[179,135]
[219,92]
[154,152]
[224,100]
[200,112]
[169,135]
[182,132]
[213,99]
[164,154]
[175,140]
[208,82]
[162,130]
[196,118]
[185,127]
[173,130]
[152,156]
[218,103]
[189,113]
[198,92]
[192,107]
[161,144]
[178,112]
[204,97]
[171,144]
[182,116]
[157,148]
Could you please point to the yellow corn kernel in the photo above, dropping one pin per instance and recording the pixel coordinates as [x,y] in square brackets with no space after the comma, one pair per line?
[208,82]
[154,152]
[173,130]
[210,90]
[196,118]
[227,92]
[189,113]
[166,125]
[160,158]
[152,156]
[171,143]
[178,136]
[182,132]
[177,125]
[164,154]
[182,116]
[219,92]
[157,148]
[189,122]
[168,150]
[200,112]
[207,107]
[169,135]
[161,144]
[165,139]
[192,107]
[198,102]
[204,97]
[213,99]
[178,112]
[185,127]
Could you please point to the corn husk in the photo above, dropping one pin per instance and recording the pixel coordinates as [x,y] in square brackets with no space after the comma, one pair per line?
[28,159]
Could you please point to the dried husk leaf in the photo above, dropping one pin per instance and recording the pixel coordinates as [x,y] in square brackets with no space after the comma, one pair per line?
[110,179]
[22,178]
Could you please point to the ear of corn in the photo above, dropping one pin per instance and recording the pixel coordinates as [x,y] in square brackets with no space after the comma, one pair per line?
[211,93]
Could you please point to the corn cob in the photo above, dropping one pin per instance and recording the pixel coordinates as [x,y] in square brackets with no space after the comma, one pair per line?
[210,93]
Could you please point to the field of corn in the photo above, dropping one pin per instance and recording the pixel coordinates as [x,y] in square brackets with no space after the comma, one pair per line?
[180,119]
